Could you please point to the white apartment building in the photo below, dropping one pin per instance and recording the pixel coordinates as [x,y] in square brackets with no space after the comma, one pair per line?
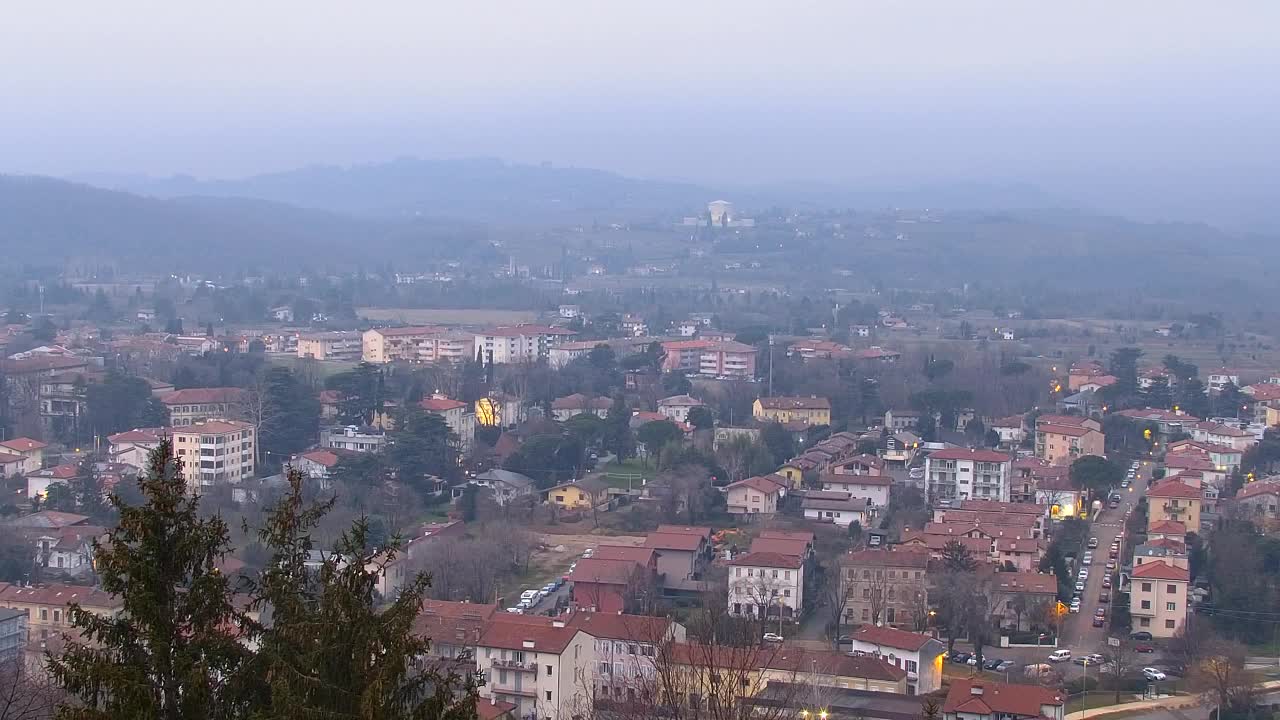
[762,584]
[538,664]
[456,415]
[337,345]
[215,451]
[967,474]
[626,647]
[518,343]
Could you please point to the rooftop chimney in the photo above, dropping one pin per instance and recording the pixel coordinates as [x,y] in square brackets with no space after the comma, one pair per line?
[975,689]
[527,644]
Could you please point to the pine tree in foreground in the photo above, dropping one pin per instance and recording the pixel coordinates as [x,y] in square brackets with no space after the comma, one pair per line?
[171,653]
[328,652]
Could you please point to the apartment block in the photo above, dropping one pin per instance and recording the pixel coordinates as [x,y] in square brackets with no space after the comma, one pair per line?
[518,343]
[337,345]
[216,451]
[957,474]
[1158,598]
[193,405]
[425,344]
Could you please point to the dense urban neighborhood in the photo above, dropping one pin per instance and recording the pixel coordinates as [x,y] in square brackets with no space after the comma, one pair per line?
[646,502]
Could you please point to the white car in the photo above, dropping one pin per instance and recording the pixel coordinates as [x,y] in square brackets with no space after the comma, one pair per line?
[1080,586]
[1153,674]
[528,594]
[772,637]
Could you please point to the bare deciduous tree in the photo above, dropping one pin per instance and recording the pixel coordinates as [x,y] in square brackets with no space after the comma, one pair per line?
[27,694]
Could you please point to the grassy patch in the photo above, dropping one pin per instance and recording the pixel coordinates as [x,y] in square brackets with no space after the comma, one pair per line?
[616,473]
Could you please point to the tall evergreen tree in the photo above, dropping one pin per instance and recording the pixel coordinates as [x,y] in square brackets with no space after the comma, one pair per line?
[329,653]
[168,654]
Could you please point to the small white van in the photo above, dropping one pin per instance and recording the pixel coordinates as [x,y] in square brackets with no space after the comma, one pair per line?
[1060,655]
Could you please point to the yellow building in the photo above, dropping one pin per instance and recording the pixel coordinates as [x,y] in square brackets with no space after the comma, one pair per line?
[809,410]
[1158,598]
[48,619]
[580,495]
[1174,500]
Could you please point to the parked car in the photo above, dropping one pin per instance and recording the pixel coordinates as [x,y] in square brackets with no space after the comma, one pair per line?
[1111,565]
[528,594]
[992,664]
[1099,621]
[1093,543]
[1105,597]
[1080,586]
[772,637]
[1144,648]
[1004,666]
[1106,583]
[960,658]
[1061,655]
[1100,612]
[516,610]
[1140,635]
[1151,673]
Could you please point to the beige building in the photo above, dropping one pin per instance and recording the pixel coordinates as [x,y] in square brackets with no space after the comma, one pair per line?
[456,415]
[337,345]
[47,614]
[518,343]
[1174,500]
[886,586]
[215,451]
[753,496]
[31,452]
[416,344]
[1158,598]
[763,584]
[193,405]
[809,410]
[1063,439]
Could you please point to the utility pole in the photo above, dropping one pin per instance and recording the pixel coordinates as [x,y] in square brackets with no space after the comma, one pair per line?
[770,365]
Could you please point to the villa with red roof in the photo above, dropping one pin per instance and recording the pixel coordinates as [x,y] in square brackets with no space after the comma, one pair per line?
[918,654]
[1158,598]
[1174,499]
[30,451]
[753,496]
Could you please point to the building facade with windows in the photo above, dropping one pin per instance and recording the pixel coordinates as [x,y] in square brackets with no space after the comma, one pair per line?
[1158,598]
[886,587]
[958,474]
[764,584]
[216,452]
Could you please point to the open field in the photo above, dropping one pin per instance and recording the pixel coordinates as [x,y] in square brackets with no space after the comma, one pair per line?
[447,316]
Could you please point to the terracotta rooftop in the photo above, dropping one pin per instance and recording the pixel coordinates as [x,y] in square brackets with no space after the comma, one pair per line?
[795,403]
[764,485]
[618,626]
[767,559]
[434,404]
[1004,507]
[891,637]
[1158,570]
[983,697]
[969,454]
[609,572]
[204,396]
[1174,488]
[1167,527]
[672,541]
[886,558]
[641,555]
[23,444]
[530,633]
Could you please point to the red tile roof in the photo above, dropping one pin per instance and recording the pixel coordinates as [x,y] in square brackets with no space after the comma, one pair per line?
[767,559]
[57,594]
[139,435]
[1167,527]
[876,480]
[26,444]
[969,454]
[1269,486]
[494,709]
[641,555]
[1069,430]
[452,623]
[327,458]
[982,697]
[1026,582]
[672,541]
[440,404]
[407,331]
[781,546]
[1158,570]
[890,637]
[886,558]
[685,530]
[1263,392]
[609,572]
[204,396]
[618,626]
[1004,507]
[541,637]
[10,458]
[764,485]
[1174,488]
[826,662]
[66,471]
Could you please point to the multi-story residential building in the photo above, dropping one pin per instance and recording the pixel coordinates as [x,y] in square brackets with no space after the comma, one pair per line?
[1158,600]
[1225,435]
[353,438]
[682,554]
[13,634]
[886,587]
[566,352]
[518,343]
[981,699]
[457,415]
[728,359]
[1220,378]
[216,451]
[1173,499]
[764,584]
[1225,459]
[1166,550]
[956,474]
[919,655]
[1263,397]
[1063,439]
[31,452]
[677,407]
[837,507]
[626,651]
[46,611]
[684,355]
[1018,595]
[335,345]
[1260,499]
[64,399]
[417,345]
[538,663]
[39,481]
[193,405]
[811,410]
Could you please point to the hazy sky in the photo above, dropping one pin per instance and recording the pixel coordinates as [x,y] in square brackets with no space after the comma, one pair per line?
[1109,96]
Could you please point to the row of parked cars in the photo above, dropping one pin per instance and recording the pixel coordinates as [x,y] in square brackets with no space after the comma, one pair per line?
[958,657]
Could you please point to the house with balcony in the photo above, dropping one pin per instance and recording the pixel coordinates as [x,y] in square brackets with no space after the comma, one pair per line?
[193,405]
[1063,439]
[350,438]
[536,663]
[1175,500]
[957,474]
[626,651]
[215,452]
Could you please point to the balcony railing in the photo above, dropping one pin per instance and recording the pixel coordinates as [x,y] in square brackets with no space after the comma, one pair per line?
[515,665]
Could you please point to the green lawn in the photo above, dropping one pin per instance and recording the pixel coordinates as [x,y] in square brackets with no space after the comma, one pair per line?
[615,473]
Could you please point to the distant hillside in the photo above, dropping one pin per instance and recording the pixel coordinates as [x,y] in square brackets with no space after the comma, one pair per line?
[473,189]
[43,219]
